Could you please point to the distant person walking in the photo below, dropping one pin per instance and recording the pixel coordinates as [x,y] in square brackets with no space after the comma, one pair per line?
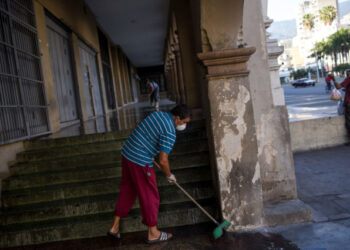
[329,82]
[346,85]
[154,93]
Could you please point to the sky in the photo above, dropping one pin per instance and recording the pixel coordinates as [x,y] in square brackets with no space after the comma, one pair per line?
[280,10]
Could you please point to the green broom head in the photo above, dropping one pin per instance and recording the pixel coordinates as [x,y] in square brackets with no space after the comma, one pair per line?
[218,231]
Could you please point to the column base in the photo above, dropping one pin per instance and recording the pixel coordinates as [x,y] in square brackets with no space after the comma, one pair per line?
[286,212]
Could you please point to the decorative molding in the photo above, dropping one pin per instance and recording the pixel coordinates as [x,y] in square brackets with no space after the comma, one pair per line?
[226,63]
[268,21]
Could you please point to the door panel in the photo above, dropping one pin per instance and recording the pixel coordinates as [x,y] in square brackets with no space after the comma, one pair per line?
[61,64]
[90,74]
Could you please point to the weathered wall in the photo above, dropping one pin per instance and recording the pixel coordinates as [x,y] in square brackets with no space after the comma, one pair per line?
[227,16]
[318,133]
[77,16]
[231,110]
[275,155]
[7,154]
[46,67]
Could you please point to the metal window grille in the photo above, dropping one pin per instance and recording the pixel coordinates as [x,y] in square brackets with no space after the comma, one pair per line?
[23,109]
[107,71]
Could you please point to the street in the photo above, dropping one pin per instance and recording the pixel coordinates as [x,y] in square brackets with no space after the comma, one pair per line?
[305,103]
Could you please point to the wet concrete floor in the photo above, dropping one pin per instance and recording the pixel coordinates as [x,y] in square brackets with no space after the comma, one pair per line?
[185,238]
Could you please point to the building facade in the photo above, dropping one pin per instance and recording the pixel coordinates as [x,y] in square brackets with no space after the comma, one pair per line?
[64,67]
[306,37]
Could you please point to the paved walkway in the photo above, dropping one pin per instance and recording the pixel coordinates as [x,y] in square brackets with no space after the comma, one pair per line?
[323,183]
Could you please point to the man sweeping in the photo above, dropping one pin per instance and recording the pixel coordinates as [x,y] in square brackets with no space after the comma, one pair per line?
[156,134]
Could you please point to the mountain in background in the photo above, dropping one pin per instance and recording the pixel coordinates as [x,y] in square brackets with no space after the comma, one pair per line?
[282,30]
[287,29]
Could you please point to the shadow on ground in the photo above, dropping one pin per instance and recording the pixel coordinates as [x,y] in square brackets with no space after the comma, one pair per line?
[186,238]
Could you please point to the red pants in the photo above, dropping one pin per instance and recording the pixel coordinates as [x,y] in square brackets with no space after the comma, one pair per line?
[136,183]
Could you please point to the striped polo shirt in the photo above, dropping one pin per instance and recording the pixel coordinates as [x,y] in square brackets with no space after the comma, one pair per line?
[156,132]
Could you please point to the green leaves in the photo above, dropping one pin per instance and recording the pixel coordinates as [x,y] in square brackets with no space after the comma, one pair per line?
[328,14]
[309,21]
[338,42]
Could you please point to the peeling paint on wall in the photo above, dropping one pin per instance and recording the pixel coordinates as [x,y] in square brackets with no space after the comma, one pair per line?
[256,173]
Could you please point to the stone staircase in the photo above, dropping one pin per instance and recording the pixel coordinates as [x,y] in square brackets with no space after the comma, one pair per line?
[66,188]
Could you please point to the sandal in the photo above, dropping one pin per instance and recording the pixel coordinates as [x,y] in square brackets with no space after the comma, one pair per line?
[162,237]
[114,235]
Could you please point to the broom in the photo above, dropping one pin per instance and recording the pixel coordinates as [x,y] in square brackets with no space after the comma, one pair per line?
[218,231]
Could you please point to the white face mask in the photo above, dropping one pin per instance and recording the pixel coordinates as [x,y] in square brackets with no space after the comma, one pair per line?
[181,127]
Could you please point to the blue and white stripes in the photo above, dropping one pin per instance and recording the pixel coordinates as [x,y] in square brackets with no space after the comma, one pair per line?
[156,132]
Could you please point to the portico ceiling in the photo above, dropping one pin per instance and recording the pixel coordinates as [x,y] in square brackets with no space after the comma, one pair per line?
[138,26]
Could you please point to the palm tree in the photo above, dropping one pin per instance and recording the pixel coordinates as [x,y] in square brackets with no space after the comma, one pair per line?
[309,21]
[328,14]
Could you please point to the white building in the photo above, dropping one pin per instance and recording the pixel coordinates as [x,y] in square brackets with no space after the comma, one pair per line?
[345,21]
[306,38]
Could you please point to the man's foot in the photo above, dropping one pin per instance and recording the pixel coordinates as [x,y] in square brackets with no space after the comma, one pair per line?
[163,236]
[114,235]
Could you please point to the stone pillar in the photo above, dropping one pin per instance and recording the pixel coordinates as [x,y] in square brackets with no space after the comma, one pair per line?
[117,76]
[175,78]
[231,111]
[274,51]
[235,143]
[178,61]
[168,80]
[275,153]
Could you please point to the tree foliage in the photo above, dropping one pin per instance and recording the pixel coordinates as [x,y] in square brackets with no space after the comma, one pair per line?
[309,21]
[301,73]
[337,44]
[328,14]
[341,68]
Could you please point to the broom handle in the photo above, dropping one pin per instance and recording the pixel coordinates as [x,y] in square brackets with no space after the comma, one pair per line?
[190,197]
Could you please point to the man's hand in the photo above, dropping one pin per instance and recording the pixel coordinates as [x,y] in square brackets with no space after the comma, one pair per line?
[171,178]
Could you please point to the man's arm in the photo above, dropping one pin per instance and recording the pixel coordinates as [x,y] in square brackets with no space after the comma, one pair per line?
[337,85]
[164,163]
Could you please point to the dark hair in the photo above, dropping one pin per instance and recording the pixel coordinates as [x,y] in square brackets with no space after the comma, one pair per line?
[181,110]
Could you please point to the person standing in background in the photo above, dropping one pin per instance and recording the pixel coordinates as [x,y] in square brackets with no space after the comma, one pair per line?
[154,93]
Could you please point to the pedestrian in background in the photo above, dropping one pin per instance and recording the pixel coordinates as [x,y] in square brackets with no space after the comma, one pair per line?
[154,93]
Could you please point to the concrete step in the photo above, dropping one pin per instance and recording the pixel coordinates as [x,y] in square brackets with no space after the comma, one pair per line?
[89,173]
[193,127]
[100,148]
[92,147]
[97,225]
[75,140]
[286,212]
[94,161]
[17,197]
[96,204]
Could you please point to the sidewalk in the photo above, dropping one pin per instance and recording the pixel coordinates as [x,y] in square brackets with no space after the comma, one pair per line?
[323,183]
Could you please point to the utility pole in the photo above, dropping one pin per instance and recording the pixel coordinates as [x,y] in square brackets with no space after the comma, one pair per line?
[338,17]
[317,73]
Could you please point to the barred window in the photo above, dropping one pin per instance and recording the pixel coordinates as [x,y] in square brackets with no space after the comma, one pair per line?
[23,109]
